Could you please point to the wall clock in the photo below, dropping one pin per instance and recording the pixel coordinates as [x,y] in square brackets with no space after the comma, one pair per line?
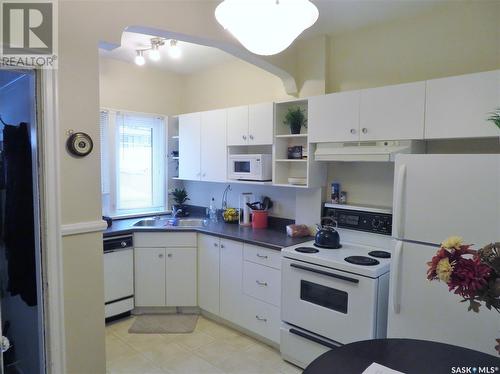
[80,144]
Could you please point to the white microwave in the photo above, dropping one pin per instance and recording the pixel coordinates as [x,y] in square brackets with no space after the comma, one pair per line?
[255,167]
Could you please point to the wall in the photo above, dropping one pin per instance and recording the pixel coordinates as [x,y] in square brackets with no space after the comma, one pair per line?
[457,38]
[128,86]
[366,183]
[230,84]
[201,193]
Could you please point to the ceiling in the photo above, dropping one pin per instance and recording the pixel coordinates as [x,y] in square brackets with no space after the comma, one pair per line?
[194,57]
[335,16]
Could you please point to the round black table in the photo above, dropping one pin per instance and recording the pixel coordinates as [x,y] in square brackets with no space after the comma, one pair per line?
[406,355]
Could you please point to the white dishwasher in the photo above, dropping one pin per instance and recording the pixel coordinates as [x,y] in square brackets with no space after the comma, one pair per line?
[118,275]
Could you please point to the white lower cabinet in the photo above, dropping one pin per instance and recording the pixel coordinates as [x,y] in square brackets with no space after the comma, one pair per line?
[208,273]
[231,276]
[261,318]
[165,276]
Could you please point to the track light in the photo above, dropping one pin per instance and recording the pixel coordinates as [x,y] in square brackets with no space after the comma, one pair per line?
[174,51]
[139,58]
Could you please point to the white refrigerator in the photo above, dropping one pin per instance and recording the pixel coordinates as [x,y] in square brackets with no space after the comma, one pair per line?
[437,196]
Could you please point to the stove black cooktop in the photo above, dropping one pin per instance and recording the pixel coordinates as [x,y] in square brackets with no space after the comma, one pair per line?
[362,260]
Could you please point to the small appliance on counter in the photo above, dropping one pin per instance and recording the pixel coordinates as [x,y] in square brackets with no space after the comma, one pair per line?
[332,297]
[245,199]
[252,167]
[327,236]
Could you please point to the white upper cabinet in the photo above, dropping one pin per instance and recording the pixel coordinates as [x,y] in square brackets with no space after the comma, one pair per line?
[189,146]
[260,124]
[213,146]
[250,124]
[458,107]
[334,117]
[237,125]
[392,112]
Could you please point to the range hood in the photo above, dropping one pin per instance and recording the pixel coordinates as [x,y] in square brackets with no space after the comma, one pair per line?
[366,151]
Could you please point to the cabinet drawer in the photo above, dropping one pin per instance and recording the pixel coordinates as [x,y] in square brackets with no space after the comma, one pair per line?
[262,256]
[261,318]
[165,239]
[262,282]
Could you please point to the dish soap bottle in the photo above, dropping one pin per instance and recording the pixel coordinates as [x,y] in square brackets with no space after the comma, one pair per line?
[212,211]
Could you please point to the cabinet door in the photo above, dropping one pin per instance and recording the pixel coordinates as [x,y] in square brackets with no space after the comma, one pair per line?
[181,277]
[458,107]
[231,278]
[237,125]
[334,117]
[260,124]
[213,146]
[393,112]
[208,273]
[149,277]
[189,146]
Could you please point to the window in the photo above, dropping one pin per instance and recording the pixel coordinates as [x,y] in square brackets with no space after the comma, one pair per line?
[132,163]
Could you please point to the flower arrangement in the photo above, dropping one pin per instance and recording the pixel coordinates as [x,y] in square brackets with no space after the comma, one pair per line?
[472,274]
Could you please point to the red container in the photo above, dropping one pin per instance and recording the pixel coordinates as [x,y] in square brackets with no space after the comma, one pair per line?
[259,219]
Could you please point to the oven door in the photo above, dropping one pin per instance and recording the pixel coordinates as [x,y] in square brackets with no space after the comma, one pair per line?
[335,304]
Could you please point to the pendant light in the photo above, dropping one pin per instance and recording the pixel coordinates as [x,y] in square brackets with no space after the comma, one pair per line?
[139,58]
[174,51]
[266,27]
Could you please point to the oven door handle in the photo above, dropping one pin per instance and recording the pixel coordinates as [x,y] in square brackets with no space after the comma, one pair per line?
[348,279]
[313,338]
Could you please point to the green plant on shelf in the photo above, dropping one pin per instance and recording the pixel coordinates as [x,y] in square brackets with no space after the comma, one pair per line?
[295,117]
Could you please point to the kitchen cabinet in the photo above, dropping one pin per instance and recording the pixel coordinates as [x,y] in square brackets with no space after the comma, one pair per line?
[458,107]
[190,146]
[250,124]
[334,117]
[208,273]
[165,269]
[213,146]
[149,276]
[392,112]
[231,273]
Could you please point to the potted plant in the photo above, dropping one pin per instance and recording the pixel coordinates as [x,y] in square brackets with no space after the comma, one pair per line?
[495,117]
[180,197]
[295,117]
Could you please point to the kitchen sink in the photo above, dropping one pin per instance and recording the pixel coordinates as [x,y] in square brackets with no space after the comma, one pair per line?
[152,222]
[172,222]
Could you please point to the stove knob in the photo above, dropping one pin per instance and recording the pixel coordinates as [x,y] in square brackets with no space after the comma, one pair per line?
[376,223]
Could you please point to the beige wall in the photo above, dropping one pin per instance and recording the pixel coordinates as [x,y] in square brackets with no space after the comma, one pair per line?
[128,86]
[457,38]
[230,84]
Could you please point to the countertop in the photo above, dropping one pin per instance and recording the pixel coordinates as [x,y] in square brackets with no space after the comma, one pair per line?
[271,238]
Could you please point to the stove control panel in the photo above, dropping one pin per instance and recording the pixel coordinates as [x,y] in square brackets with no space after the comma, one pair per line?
[374,222]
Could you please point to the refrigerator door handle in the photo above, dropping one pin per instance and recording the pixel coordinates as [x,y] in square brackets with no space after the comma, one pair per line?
[399,202]
[396,278]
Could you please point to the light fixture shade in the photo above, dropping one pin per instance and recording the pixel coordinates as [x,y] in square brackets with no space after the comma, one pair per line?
[173,50]
[154,54]
[266,27]
[139,58]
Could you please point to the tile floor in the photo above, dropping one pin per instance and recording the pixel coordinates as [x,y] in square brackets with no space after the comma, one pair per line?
[211,349]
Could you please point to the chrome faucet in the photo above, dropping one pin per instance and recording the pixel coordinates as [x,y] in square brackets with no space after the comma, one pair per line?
[175,212]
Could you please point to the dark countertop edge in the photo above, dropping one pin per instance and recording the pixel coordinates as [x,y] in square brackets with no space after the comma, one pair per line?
[202,230]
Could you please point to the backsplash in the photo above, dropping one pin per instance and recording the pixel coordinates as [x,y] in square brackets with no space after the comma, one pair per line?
[200,193]
[368,183]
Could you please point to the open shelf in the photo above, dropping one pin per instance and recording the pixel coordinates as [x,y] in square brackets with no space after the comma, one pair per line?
[292,136]
[175,158]
[291,160]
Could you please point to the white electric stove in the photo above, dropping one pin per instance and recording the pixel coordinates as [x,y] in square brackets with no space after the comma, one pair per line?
[332,297]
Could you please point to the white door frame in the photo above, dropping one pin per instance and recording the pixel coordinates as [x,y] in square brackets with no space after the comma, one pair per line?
[51,222]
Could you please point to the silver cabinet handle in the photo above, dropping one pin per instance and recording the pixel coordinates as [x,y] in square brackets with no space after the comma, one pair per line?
[170,255]
[260,283]
[222,246]
[160,255]
[262,256]
[259,318]
[216,245]
[244,137]
[353,131]
[364,130]
[251,137]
